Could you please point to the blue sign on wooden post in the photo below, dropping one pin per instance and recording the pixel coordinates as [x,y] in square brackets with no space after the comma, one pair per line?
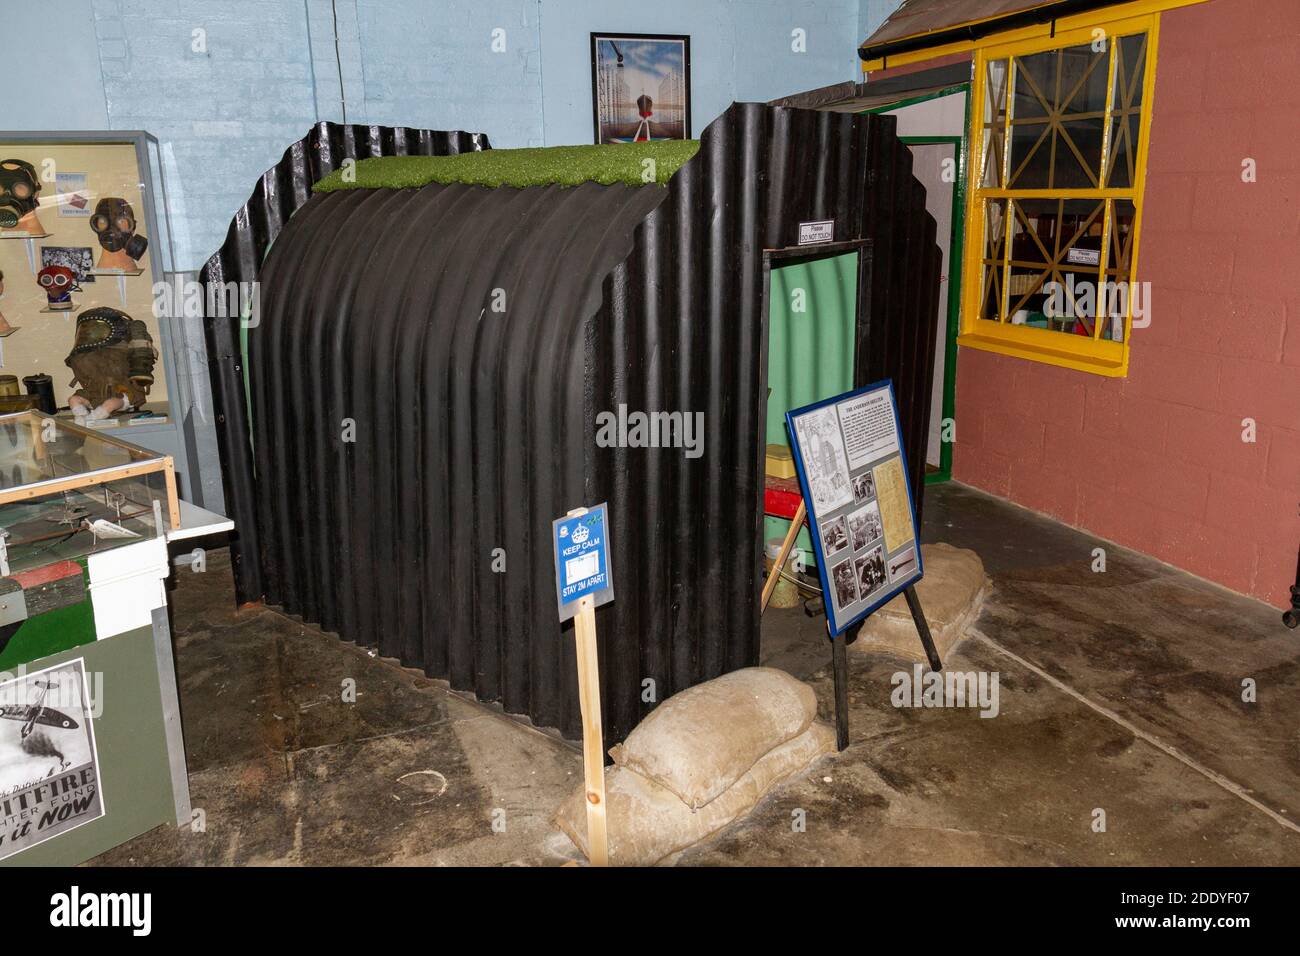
[582,565]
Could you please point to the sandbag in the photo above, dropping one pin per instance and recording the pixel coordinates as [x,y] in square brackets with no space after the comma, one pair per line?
[698,743]
[951,594]
[647,822]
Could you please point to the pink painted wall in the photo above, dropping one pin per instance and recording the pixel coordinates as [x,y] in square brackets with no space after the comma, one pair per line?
[1156,461]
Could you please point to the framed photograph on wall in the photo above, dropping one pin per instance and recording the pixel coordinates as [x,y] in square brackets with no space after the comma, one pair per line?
[640,87]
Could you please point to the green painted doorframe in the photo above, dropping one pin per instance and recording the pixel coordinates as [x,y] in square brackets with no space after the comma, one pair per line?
[956,242]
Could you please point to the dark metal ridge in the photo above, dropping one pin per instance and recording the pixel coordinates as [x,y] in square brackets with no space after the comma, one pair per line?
[950,74]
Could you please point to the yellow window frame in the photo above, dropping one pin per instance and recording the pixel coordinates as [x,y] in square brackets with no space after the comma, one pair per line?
[1088,354]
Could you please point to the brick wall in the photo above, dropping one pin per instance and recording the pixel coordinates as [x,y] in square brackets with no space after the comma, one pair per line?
[1156,461]
[225,111]
[334,35]
[741,50]
[271,68]
[436,64]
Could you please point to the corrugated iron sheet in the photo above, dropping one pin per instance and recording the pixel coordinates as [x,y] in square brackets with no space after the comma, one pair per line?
[473,429]
[278,194]
[404,431]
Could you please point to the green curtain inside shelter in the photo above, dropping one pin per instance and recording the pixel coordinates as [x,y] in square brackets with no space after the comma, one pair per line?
[813,303]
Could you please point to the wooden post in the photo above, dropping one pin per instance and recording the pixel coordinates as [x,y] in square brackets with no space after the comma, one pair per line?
[795,524]
[593,735]
[173,506]
[593,746]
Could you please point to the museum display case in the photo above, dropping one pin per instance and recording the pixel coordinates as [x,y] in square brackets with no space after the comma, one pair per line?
[67,491]
[85,244]
[85,523]
[89,356]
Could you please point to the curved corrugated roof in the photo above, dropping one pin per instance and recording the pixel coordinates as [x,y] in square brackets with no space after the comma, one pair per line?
[277,195]
[378,310]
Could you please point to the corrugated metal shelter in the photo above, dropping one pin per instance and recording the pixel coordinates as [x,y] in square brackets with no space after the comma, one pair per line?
[278,194]
[474,429]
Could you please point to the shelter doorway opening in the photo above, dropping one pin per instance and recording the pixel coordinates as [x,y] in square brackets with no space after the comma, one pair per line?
[811,335]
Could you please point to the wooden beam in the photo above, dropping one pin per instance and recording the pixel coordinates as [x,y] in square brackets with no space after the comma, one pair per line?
[593,746]
[796,523]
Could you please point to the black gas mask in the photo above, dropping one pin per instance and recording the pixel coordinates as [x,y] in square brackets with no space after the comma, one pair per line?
[18,189]
[114,224]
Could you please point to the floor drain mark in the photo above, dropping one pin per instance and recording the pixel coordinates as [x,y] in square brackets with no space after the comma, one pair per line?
[428,783]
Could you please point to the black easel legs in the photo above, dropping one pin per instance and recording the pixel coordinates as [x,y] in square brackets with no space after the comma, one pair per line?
[922,628]
[840,664]
[1291,618]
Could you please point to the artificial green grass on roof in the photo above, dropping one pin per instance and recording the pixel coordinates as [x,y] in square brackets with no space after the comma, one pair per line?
[636,164]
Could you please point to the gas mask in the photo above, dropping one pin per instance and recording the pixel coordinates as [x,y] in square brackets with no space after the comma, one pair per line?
[58,283]
[18,189]
[99,328]
[113,354]
[114,224]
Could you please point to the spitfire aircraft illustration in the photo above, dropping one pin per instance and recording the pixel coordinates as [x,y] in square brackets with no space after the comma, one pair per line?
[37,713]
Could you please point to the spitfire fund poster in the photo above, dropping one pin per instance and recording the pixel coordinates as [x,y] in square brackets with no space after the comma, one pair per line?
[49,769]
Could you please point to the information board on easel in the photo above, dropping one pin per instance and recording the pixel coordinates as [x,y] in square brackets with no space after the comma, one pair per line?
[849,457]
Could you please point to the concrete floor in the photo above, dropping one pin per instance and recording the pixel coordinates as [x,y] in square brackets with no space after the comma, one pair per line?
[1120,691]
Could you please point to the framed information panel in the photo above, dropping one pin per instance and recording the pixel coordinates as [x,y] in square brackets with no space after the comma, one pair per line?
[849,456]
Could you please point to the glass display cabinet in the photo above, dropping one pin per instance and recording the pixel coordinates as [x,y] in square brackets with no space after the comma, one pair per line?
[90,466]
[85,234]
[85,521]
[67,491]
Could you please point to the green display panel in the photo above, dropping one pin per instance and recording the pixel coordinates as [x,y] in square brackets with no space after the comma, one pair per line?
[811,316]
[132,768]
[45,634]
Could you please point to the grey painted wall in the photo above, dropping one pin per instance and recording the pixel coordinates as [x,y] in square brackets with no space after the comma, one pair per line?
[225,85]
[39,95]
